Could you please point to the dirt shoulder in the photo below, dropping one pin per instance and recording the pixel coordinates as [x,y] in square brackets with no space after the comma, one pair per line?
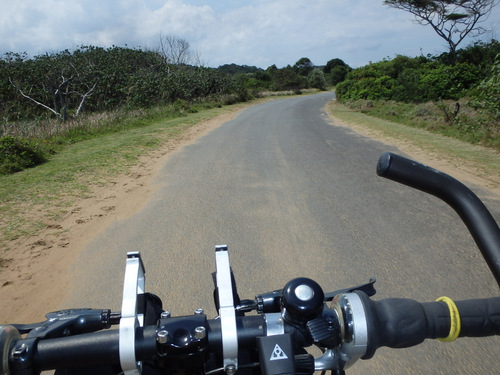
[34,279]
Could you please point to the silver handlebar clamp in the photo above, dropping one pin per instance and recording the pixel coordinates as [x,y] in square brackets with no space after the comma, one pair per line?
[227,311]
[133,286]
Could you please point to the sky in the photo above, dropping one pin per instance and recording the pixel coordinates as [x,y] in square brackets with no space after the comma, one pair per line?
[251,32]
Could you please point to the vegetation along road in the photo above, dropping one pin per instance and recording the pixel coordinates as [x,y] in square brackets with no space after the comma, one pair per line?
[294,195]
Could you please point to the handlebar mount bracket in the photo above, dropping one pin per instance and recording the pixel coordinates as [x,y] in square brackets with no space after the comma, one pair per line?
[227,311]
[133,285]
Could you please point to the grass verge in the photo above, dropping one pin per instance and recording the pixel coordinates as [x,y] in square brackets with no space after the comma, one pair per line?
[456,119]
[485,160]
[32,198]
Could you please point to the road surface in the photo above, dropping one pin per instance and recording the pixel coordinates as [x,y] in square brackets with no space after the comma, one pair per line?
[294,195]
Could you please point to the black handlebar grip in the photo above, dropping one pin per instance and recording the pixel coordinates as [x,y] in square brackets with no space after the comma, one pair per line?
[469,207]
[402,322]
[479,317]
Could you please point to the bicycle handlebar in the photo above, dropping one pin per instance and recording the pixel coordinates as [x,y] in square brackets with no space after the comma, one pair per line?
[469,207]
[392,322]
[347,324]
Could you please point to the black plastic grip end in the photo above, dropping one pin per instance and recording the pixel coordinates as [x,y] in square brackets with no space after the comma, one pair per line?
[479,317]
[384,163]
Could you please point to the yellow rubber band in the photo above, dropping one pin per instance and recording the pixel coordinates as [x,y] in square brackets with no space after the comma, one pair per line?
[455,324]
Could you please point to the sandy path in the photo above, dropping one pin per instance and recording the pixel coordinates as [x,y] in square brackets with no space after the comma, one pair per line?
[35,279]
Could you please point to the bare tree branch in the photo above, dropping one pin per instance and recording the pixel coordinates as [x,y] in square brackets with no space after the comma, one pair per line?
[176,51]
[452,20]
[84,97]
[34,101]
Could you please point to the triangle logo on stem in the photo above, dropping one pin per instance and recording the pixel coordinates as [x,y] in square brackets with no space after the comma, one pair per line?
[278,354]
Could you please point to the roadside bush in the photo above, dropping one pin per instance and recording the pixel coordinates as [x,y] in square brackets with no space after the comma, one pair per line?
[17,154]
[93,79]
[421,79]
[489,92]
[287,79]
[461,120]
[448,81]
[316,79]
[335,71]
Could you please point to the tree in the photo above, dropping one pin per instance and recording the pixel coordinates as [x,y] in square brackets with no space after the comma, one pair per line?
[304,66]
[316,79]
[238,69]
[452,20]
[336,70]
[287,78]
[96,79]
[490,91]
[59,83]
[177,51]
[331,64]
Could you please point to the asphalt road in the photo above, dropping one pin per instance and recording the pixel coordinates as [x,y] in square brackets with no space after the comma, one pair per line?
[293,195]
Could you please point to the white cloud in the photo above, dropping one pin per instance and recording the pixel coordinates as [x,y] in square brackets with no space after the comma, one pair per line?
[40,25]
[174,18]
[281,32]
[254,32]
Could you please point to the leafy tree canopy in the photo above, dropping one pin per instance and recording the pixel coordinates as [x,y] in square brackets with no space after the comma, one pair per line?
[420,79]
[452,20]
[237,69]
[333,63]
[99,79]
[304,66]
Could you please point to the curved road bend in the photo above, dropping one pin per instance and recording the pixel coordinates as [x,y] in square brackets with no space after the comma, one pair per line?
[293,195]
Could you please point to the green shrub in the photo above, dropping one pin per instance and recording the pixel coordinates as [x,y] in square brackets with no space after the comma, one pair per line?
[422,79]
[467,122]
[17,154]
[490,91]
[316,79]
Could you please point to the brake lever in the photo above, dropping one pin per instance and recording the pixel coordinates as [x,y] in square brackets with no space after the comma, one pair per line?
[367,288]
[26,328]
[68,322]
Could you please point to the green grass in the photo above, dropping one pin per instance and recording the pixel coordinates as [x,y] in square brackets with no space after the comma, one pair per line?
[468,124]
[486,160]
[31,198]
